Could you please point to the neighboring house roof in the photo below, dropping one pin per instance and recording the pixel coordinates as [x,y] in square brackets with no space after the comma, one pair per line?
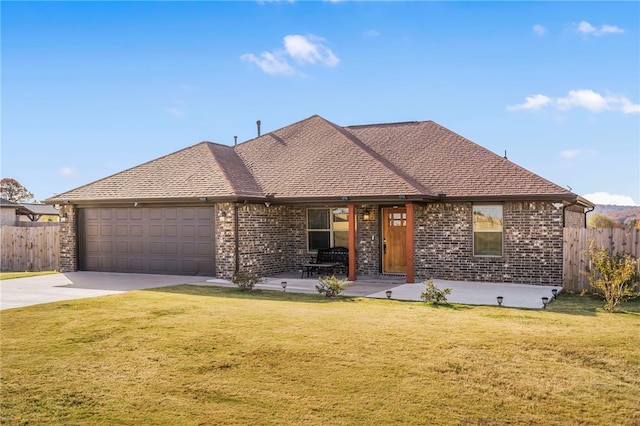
[8,204]
[37,209]
[315,159]
[32,210]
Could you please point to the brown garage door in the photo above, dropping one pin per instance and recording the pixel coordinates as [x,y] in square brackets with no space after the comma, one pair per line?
[163,240]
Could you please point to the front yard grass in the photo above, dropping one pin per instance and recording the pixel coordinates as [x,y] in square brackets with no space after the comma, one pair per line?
[9,275]
[205,355]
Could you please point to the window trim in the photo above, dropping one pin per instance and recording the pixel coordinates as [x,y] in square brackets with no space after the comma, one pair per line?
[473,226]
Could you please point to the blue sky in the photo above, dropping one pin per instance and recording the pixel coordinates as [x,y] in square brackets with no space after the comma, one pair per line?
[92,88]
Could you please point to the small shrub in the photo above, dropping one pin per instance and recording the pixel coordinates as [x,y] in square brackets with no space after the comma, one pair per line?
[433,294]
[613,276]
[245,280]
[331,286]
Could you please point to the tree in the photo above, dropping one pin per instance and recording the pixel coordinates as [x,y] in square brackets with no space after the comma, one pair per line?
[614,276]
[598,220]
[12,190]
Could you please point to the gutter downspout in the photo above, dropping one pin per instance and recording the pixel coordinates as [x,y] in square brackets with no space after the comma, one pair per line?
[585,215]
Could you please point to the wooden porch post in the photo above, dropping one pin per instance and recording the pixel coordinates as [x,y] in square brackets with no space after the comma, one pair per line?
[352,242]
[409,247]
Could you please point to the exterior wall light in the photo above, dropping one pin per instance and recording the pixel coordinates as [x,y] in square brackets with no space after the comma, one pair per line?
[366,215]
[222,213]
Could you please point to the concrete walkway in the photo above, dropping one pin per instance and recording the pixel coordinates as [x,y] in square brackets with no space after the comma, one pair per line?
[21,292]
[462,292]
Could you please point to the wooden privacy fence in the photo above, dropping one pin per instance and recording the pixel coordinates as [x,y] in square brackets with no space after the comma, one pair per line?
[30,248]
[576,245]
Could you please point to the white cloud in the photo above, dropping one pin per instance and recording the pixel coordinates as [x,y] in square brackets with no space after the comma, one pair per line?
[270,63]
[68,172]
[372,33]
[587,99]
[584,98]
[176,112]
[532,102]
[573,153]
[570,153]
[611,199]
[539,29]
[587,29]
[309,49]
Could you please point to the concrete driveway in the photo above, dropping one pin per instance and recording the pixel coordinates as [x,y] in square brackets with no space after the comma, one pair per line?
[21,292]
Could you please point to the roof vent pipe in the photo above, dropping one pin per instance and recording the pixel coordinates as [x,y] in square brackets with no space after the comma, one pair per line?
[235,140]
[258,123]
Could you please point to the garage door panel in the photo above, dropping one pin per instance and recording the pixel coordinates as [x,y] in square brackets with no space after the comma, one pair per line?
[170,231]
[136,265]
[135,214]
[155,248]
[205,231]
[170,214]
[122,230]
[92,230]
[147,240]
[188,231]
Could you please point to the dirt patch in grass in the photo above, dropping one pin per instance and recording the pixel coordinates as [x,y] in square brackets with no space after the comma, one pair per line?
[203,355]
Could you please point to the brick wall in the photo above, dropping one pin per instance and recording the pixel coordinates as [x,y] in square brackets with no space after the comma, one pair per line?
[274,239]
[68,239]
[574,217]
[532,248]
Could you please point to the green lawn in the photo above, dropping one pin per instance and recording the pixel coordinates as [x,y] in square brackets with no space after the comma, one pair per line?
[10,275]
[189,355]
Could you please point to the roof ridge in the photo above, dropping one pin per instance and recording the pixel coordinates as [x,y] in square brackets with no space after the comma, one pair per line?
[382,160]
[233,185]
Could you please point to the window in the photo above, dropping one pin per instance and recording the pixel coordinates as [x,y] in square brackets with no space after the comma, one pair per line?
[327,228]
[487,230]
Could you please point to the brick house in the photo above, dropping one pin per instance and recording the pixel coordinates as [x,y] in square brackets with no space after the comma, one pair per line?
[412,199]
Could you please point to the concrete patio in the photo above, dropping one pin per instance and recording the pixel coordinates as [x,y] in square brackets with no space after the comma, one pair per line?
[462,292]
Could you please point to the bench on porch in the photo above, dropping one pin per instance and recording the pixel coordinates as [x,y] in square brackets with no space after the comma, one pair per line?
[327,259]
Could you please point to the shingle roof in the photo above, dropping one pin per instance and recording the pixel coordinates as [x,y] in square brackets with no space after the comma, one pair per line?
[316,159]
[448,162]
[202,170]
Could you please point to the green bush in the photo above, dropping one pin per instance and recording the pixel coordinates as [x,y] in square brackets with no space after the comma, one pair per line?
[433,294]
[331,286]
[612,276]
[245,280]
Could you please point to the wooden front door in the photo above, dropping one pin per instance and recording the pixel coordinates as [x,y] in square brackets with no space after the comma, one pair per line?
[394,237]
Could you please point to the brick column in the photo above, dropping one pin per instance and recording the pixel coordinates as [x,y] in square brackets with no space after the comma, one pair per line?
[68,239]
